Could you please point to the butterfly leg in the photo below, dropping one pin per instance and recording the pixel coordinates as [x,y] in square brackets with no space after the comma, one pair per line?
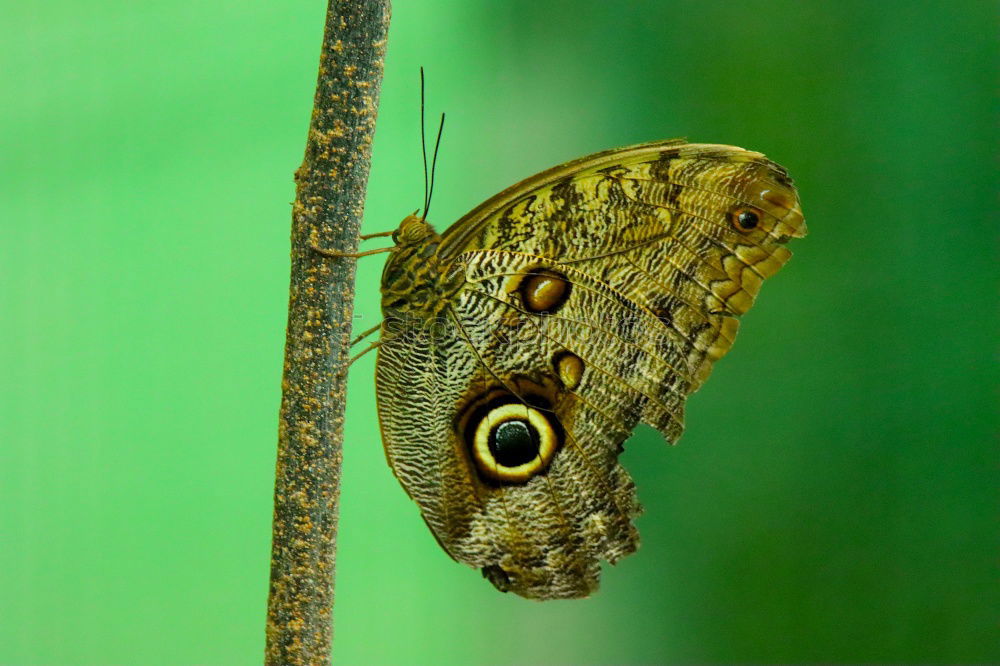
[353,255]
[381,234]
[346,366]
[364,335]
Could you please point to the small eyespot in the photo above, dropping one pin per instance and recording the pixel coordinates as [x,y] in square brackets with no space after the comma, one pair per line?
[569,369]
[544,291]
[745,219]
[395,237]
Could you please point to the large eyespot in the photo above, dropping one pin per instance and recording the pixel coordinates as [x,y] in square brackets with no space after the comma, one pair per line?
[512,442]
[544,291]
[745,219]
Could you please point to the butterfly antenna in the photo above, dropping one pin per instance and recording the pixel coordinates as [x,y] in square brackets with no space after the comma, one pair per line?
[423,143]
[434,162]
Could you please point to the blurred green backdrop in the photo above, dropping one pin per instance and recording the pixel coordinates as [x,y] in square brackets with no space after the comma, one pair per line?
[834,498]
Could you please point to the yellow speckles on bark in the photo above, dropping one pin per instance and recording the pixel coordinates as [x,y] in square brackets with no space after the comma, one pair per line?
[326,213]
[339,130]
[304,524]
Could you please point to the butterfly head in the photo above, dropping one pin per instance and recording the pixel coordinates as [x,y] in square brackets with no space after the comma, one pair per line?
[413,230]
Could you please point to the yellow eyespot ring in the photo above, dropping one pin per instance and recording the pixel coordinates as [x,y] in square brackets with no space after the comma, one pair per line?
[513,442]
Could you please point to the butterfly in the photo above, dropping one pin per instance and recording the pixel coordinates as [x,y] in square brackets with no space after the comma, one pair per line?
[521,346]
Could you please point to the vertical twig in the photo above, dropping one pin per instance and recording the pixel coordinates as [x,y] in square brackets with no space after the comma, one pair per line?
[329,202]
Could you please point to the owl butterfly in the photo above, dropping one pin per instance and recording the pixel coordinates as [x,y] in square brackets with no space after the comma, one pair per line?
[521,347]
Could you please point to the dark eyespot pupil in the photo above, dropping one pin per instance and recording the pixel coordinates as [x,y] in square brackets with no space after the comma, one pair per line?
[748,219]
[514,443]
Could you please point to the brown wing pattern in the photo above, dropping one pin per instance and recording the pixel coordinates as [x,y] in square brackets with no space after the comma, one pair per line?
[565,311]
[656,223]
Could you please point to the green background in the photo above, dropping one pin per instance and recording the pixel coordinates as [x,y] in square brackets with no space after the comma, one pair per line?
[834,498]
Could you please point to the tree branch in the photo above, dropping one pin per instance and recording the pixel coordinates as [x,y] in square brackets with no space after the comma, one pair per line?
[329,202]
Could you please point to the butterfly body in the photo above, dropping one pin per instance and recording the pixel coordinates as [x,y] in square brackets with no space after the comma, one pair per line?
[415,283]
[522,346]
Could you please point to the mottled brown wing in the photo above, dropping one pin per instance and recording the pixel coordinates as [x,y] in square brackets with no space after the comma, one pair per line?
[596,295]
[658,222]
[541,527]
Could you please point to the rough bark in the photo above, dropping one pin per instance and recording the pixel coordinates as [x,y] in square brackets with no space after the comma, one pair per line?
[329,201]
